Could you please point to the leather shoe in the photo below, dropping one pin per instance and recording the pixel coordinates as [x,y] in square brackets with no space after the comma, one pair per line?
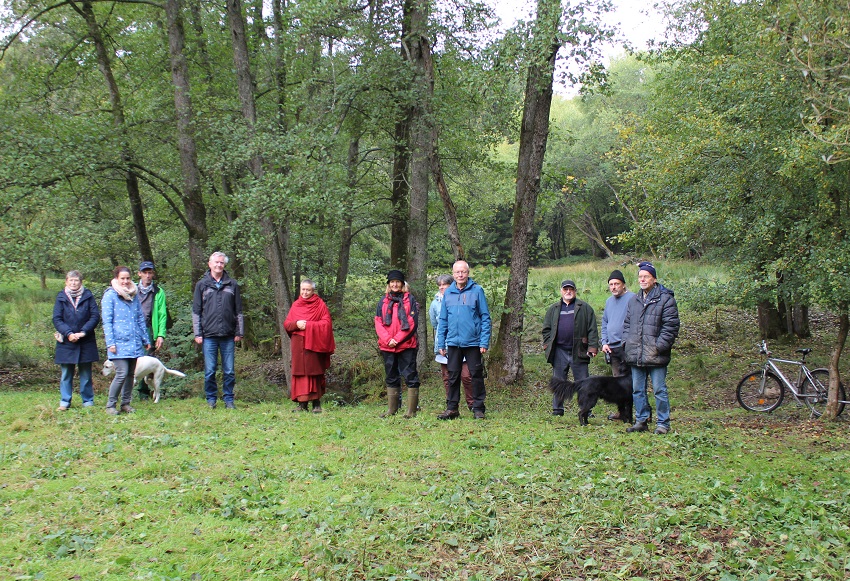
[478,415]
[638,427]
[449,415]
[661,430]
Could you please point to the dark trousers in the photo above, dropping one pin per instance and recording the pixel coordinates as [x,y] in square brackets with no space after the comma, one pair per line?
[561,365]
[465,379]
[401,364]
[475,362]
[619,367]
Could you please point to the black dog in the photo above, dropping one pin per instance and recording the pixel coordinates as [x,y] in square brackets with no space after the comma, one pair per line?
[616,390]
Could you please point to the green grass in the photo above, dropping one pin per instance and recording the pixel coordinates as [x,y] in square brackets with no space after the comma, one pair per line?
[180,492]
[177,491]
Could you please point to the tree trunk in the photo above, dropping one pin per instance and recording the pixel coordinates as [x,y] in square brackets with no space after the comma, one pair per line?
[417,49]
[345,237]
[770,321]
[449,209]
[534,133]
[800,320]
[834,371]
[193,199]
[400,200]
[131,180]
[276,250]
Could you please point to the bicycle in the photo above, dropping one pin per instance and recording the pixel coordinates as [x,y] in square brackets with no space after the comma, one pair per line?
[763,390]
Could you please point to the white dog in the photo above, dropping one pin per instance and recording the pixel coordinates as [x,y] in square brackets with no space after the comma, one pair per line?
[148,367]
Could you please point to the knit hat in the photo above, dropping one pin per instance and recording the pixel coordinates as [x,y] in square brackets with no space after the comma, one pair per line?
[647,266]
[395,275]
[617,275]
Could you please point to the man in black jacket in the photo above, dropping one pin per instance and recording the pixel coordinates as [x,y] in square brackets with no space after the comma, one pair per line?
[218,324]
[649,331]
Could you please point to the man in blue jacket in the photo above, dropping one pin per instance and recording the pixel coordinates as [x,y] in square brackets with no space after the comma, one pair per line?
[464,332]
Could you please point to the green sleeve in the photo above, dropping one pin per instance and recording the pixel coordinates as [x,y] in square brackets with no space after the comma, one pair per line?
[158,316]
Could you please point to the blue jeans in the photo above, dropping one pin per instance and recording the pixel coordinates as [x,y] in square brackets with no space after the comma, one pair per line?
[561,365]
[658,375]
[66,384]
[212,347]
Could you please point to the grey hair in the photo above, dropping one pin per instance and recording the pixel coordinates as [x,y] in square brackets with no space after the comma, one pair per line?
[445,279]
[222,254]
[74,274]
[308,281]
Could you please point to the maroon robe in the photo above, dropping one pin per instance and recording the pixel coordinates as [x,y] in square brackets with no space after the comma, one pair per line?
[311,348]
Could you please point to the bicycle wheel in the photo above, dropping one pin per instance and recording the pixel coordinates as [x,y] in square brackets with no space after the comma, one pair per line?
[816,395]
[760,391]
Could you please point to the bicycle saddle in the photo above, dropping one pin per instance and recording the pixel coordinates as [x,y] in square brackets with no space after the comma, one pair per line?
[804,351]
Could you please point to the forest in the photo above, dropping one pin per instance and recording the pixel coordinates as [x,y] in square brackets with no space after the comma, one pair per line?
[335,139]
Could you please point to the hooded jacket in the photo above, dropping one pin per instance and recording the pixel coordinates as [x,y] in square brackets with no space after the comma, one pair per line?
[124,326]
[464,317]
[651,327]
[404,339]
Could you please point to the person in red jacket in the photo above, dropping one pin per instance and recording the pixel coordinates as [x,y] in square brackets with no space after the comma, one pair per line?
[395,323]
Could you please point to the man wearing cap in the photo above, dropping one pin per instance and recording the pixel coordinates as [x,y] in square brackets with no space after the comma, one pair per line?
[463,331]
[152,298]
[570,338]
[612,327]
[650,328]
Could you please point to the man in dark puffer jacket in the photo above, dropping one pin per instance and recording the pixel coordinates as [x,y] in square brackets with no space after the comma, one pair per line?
[649,331]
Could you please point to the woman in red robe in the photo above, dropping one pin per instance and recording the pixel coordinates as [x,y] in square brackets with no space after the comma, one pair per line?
[312,341]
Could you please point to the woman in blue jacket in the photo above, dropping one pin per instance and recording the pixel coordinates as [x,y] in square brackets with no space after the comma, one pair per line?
[75,316]
[126,336]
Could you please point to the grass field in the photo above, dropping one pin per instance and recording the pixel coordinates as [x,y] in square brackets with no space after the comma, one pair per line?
[180,492]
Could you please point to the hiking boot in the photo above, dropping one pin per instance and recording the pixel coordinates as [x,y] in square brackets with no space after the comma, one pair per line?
[127,409]
[449,415]
[478,414]
[638,427]
[661,430]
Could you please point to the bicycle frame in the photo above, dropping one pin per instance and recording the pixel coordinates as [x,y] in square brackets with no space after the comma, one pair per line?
[804,374]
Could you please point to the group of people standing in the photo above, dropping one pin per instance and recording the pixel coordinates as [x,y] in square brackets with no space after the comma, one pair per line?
[134,318]
[638,332]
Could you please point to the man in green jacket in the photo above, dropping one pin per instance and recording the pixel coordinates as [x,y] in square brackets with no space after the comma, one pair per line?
[152,298]
[570,338]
